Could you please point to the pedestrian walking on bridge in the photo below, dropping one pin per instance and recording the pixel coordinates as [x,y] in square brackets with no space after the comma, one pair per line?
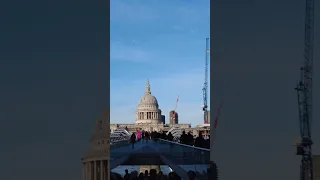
[133,139]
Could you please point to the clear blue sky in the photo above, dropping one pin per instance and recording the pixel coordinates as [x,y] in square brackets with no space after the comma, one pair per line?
[163,41]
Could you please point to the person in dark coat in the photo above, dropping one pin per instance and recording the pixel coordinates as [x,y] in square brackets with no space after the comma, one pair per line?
[126,175]
[143,136]
[183,137]
[170,137]
[189,139]
[158,135]
[133,139]
[212,171]
[164,136]
[199,142]
[192,175]
[146,136]
[207,143]
[153,135]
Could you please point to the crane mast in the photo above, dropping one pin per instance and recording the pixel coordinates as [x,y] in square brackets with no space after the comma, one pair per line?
[304,93]
[205,86]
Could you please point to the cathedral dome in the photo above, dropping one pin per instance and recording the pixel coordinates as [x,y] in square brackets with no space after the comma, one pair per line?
[148,101]
[148,111]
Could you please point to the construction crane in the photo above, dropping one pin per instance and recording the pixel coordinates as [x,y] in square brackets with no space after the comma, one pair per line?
[205,86]
[304,93]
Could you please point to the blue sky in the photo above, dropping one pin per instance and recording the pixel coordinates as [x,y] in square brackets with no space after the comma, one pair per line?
[163,41]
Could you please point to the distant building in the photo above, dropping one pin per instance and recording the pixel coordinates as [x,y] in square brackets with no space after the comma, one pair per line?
[163,119]
[174,117]
[316,163]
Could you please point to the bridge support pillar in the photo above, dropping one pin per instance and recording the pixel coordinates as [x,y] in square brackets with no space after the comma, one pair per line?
[149,167]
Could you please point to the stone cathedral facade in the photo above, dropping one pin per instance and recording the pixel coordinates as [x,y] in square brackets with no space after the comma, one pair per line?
[148,115]
[96,161]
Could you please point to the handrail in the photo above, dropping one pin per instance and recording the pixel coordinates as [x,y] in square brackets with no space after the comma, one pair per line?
[113,144]
[121,141]
[203,149]
[185,145]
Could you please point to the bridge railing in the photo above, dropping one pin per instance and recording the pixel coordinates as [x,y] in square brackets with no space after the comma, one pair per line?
[115,144]
[184,145]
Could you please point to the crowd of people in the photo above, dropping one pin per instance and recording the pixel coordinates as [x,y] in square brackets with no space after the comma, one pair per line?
[211,174]
[187,139]
[199,141]
[152,175]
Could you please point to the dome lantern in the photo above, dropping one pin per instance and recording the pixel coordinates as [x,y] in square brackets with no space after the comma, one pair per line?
[148,90]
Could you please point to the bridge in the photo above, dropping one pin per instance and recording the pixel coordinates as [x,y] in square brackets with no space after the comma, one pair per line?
[179,157]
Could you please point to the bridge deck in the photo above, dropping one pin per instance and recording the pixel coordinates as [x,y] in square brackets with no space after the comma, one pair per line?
[177,153]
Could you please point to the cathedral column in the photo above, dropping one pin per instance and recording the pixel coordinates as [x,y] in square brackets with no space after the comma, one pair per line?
[106,170]
[94,170]
[101,170]
[88,171]
[104,174]
[84,171]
